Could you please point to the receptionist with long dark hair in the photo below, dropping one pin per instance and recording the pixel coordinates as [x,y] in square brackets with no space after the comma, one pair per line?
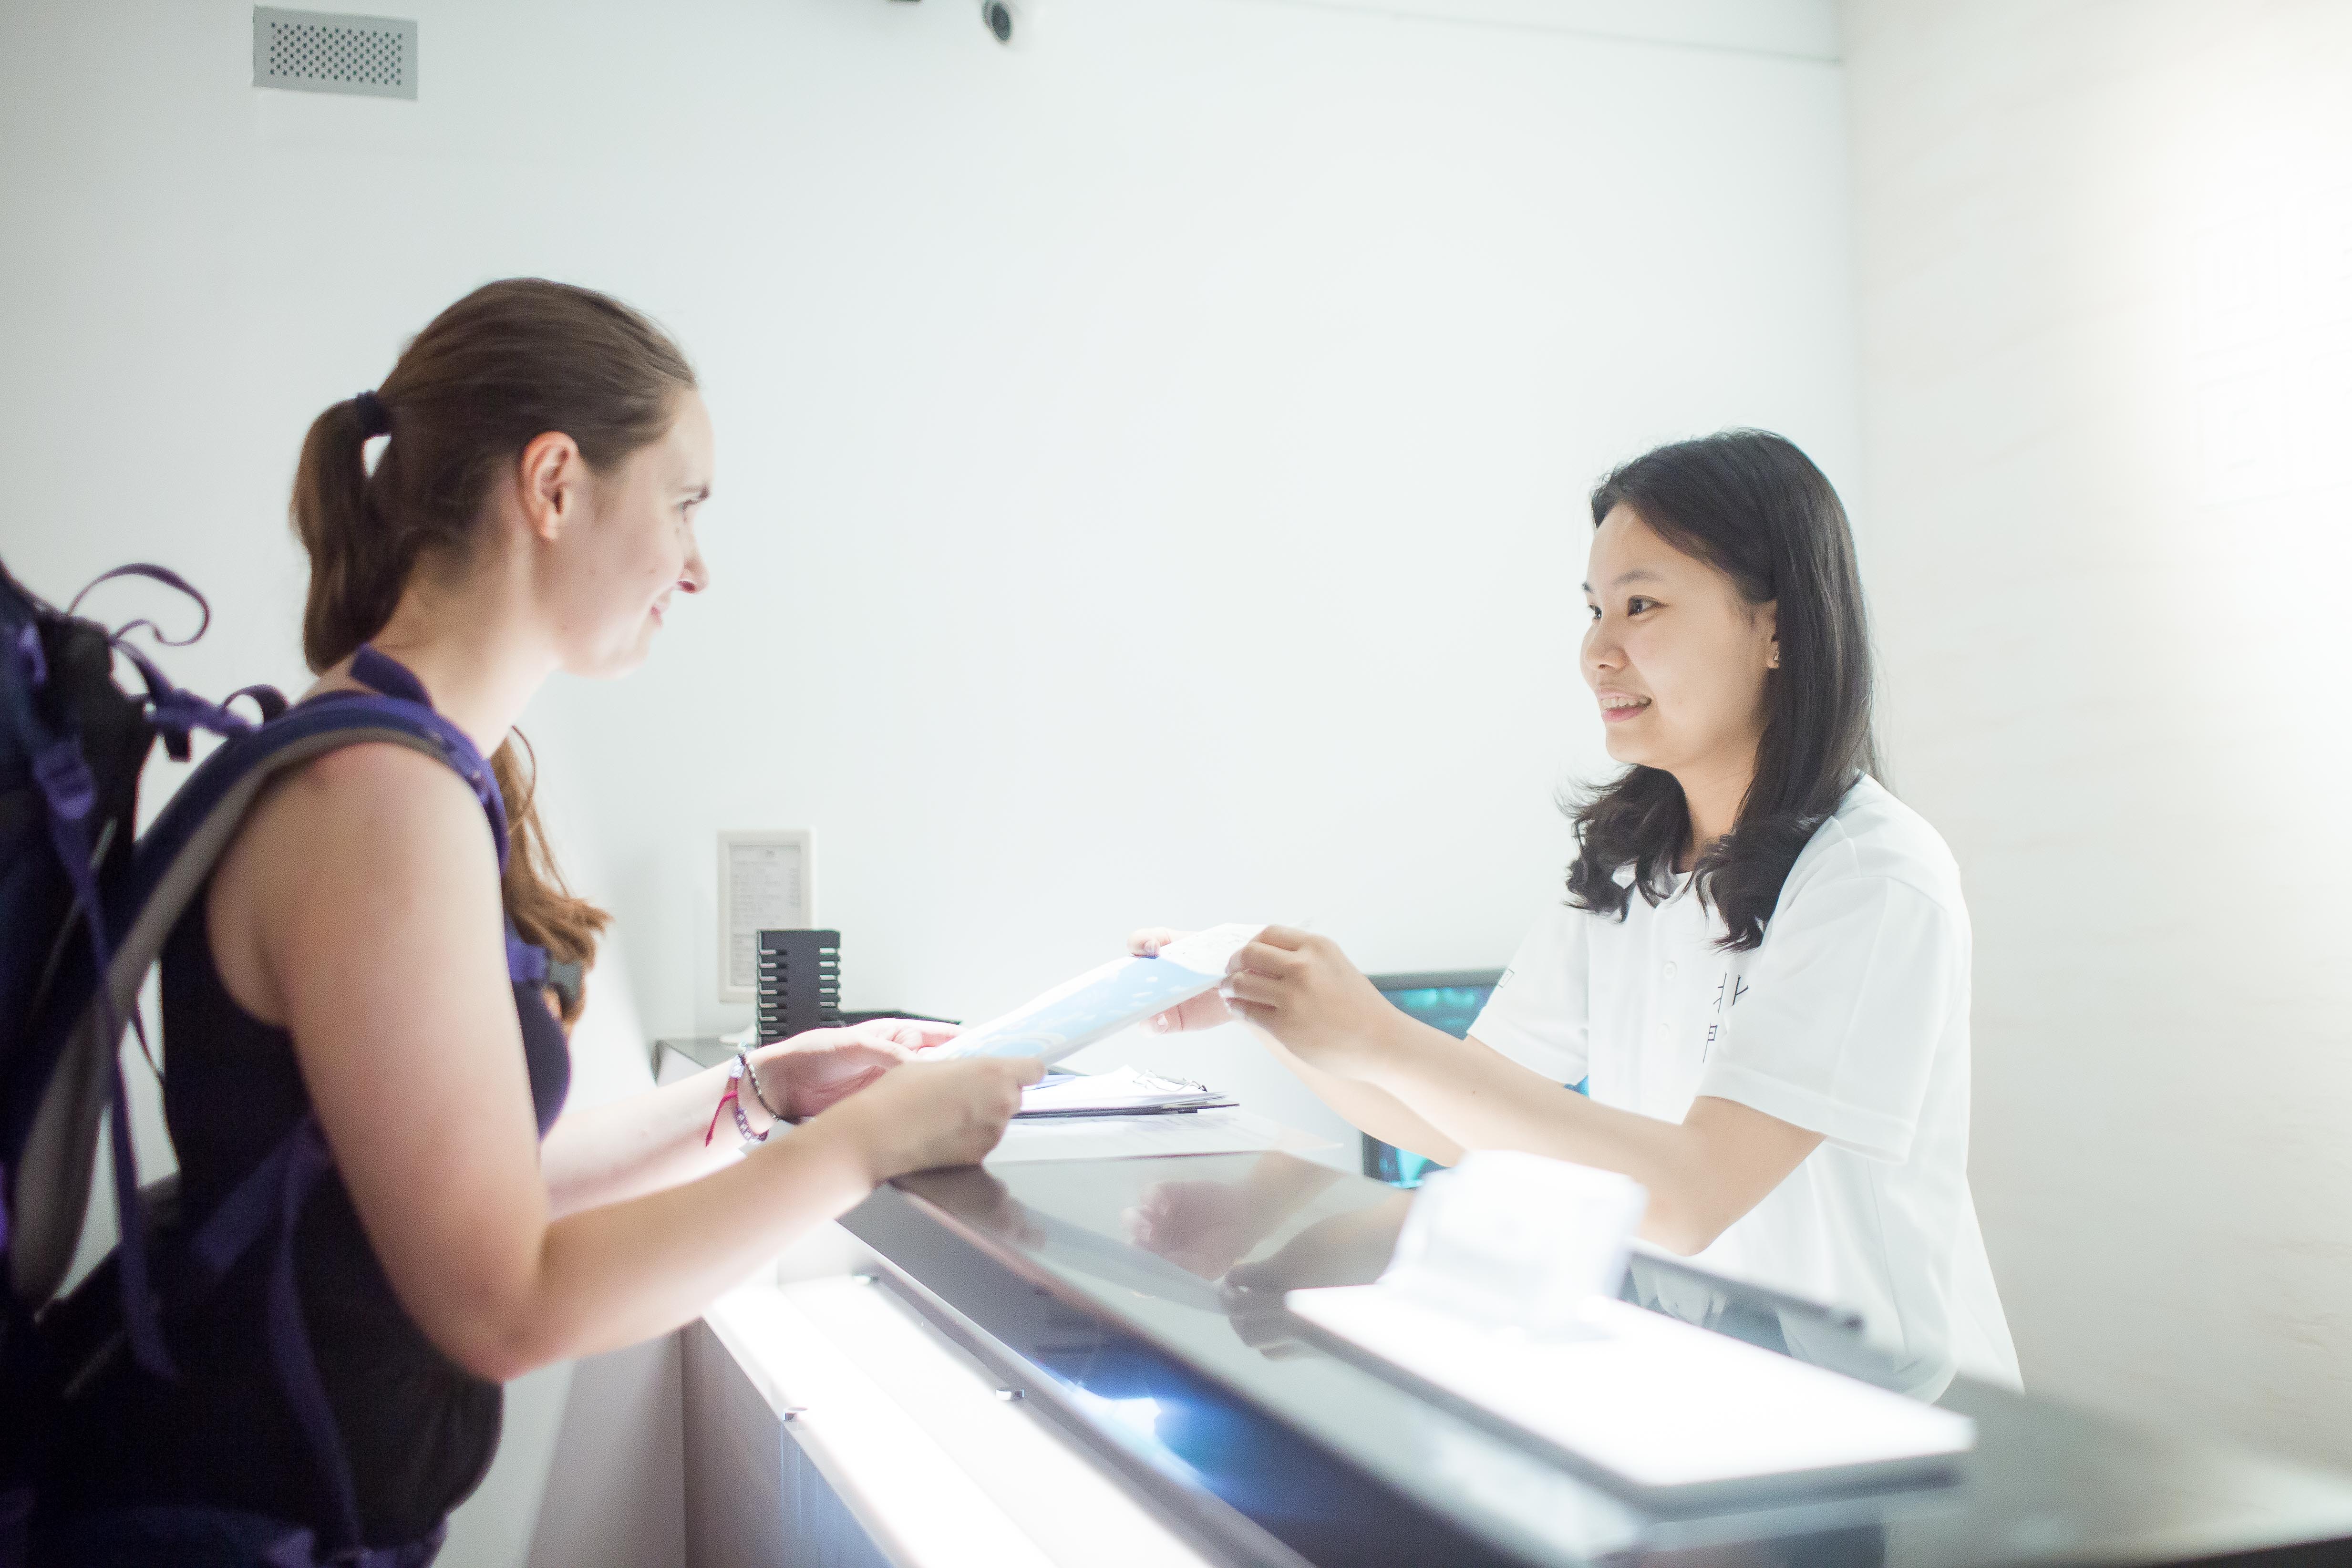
[1761,958]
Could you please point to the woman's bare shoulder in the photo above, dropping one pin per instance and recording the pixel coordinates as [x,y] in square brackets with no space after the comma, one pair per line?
[372,842]
[375,811]
[383,797]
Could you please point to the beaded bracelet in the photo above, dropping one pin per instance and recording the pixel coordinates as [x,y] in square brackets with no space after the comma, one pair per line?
[751,1077]
[733,1101]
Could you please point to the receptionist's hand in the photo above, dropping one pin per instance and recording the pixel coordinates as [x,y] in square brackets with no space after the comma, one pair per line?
[1302,990]
[818,1068]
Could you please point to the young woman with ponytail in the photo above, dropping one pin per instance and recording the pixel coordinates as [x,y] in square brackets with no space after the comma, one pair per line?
[532,510]
[1761,964]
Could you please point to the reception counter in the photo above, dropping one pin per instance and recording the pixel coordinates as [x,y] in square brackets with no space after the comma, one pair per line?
[1122,1384]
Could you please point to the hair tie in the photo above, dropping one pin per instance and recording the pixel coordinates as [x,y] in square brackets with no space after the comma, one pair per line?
[374,418]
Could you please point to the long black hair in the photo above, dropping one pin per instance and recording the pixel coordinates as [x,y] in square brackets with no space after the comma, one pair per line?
[1752,506]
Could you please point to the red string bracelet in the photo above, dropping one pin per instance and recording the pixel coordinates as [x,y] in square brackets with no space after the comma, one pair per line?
[718,1110]
[733,1099]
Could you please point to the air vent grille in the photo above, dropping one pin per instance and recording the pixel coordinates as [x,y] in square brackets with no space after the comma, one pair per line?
[321,51]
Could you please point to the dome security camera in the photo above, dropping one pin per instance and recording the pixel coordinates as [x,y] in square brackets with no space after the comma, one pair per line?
[1008,21]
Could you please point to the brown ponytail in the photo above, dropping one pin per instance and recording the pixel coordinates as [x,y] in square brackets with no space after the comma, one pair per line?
[505,364]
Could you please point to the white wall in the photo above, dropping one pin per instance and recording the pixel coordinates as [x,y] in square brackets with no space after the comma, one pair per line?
[1149,472]
[2106,275]
[1151,460]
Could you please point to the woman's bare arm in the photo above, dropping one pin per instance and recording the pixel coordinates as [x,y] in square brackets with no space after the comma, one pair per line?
[642,1144]
[1703,1172]
[1420,1088]
[655,1140]
[359,906]
[1367,1105]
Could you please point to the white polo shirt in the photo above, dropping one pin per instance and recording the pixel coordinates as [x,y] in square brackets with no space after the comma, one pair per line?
[1850,1019]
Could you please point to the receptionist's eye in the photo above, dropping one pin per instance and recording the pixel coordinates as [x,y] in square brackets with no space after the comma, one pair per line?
[1634,606]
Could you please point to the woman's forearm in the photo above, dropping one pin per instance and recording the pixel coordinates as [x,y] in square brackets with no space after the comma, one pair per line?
[1368,1107]
[622,1272]
[641,1144]
[1475,1098]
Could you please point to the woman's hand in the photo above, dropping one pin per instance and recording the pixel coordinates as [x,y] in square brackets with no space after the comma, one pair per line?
[1202,1012]
[1349,1248]
[1325,1022]
[928,1114]
[1301,989]
[1202,1226]
[1298,988]
[820,1068]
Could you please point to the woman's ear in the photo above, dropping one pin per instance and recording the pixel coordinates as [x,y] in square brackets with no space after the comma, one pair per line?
[550,476]
[1767,626]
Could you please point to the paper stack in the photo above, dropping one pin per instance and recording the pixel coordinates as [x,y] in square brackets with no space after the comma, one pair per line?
[1129,1091]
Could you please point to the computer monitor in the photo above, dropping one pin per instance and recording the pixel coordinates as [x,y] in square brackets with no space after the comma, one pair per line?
[1450,1000]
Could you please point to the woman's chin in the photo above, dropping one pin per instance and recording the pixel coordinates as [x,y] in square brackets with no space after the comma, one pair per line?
[1629,749]
[613,662]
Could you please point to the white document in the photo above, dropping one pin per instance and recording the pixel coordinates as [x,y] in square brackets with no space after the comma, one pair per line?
[1128,1088]
[1220,1131]
[1106,999]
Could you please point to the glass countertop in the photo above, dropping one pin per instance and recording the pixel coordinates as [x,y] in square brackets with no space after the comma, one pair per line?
[1143,1299]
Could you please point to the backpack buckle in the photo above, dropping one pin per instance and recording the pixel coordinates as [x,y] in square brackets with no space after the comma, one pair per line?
[66,783]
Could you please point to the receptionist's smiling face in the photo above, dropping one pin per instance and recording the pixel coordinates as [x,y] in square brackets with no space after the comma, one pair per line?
[1675,657]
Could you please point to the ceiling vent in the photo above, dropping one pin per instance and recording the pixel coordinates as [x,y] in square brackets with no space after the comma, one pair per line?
[323,51]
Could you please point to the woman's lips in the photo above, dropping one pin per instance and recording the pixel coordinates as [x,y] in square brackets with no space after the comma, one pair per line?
[1617,708]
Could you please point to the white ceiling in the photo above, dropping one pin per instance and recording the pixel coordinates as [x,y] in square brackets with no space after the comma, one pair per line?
[1802,29]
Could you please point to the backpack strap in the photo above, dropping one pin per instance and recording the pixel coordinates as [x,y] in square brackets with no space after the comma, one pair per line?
[176,711]
[153,574]
[70,796]
[169,863]
[268,1202]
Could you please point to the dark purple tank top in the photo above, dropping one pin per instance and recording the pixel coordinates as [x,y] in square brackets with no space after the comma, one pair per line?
[419,1429]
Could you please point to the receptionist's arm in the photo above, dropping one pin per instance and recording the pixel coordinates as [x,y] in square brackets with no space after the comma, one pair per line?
[1368,1061]
[1367,1106]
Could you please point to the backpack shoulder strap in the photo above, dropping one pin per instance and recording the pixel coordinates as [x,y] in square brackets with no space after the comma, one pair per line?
[172,861]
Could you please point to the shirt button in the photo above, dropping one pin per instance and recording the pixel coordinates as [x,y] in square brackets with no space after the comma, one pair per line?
[1670,969]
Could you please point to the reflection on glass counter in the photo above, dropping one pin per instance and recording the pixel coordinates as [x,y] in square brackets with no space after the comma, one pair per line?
[1139,1304]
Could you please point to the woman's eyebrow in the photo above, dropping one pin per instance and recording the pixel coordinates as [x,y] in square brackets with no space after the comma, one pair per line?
[1638,575]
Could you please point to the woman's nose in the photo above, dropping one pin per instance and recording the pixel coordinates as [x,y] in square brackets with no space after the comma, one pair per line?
[696,576]
[1600,651]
